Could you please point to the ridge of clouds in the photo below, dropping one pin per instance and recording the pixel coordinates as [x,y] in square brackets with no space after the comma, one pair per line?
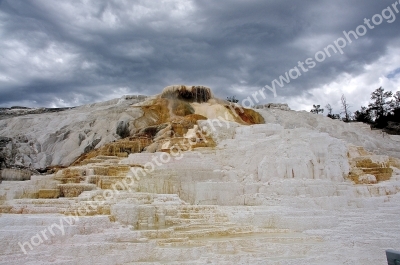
[68,53]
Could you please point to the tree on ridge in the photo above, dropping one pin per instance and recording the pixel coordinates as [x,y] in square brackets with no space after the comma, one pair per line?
[381,105]
[330,114]
[316,109]
[346,109]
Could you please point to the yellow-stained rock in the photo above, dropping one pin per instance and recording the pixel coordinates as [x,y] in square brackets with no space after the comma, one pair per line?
[75,189]
[364,165]
[49,193]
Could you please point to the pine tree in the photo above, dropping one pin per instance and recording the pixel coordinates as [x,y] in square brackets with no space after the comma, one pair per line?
[363,115]
[396,101]
[381,105]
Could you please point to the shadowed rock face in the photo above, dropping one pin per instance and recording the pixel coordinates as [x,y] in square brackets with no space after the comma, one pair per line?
[393,128]
[4,156]
[123,129]
[188,93]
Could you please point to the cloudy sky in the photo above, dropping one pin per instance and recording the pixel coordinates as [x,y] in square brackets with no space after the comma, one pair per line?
[74,52]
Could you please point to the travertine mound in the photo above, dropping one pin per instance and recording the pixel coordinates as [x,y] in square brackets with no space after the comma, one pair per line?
[117,127]
[167,121]
[185,182]
[263,195]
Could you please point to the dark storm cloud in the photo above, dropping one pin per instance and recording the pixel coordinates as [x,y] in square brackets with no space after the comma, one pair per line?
[56,53]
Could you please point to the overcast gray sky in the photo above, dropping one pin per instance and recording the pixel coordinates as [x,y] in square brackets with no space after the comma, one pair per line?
[74,52]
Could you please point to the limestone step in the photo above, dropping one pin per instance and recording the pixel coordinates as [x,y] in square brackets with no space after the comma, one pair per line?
[202,226]
[29,209]
[60,201]
[102,157]
[37,206]
[89,208]
[75,189]
[197,215]
[49,193]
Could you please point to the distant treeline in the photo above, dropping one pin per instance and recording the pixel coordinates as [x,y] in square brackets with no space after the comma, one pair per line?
[383,112]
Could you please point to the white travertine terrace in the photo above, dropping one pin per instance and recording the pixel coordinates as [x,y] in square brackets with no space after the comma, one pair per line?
[274,193]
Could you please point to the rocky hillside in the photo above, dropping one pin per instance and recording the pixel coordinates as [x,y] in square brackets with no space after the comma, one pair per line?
[40,138]
[129,124]
[185,178]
